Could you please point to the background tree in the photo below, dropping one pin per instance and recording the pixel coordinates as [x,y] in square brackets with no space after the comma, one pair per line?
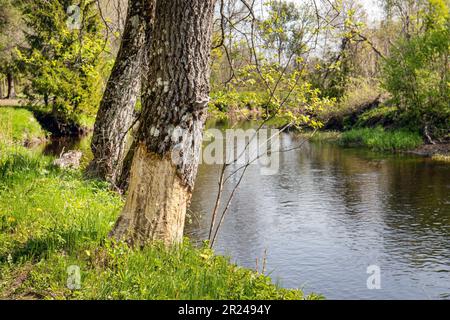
[116,114]
[285,29]
[11,36]
[63,61]
[417,72]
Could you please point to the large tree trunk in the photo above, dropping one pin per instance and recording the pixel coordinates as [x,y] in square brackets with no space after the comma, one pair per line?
[11,86]
[170,133]
[116,114]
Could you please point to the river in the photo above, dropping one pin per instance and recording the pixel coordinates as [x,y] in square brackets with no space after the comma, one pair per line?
[329,214]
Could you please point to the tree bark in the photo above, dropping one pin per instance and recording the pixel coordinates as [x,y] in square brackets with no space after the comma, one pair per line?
[1,87]
[123,180]
[116,113]
[11,86]
[169,139]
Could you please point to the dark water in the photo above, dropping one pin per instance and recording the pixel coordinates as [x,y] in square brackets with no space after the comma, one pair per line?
[328,214]
[331,212]
[60,145]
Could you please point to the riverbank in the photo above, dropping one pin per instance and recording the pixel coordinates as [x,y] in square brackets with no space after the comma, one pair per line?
[379,139]
[19,126]
[54,220]
[54,125]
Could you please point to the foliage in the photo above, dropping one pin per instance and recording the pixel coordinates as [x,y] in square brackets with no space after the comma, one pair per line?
[64,63]
[383,115]
[381,140]
[285,29]
[417,73]
[280,94]
[359,94]
[349,55]
[267,74]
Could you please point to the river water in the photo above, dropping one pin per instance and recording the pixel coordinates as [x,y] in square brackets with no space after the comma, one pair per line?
[329,214]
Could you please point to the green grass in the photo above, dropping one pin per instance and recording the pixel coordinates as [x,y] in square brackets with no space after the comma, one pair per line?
[441,157]
[381,140]
[52,219]
[18,125]
[323,136]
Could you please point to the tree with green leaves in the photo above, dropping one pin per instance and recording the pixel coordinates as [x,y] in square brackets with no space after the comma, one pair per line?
[286,29]
[417,72]
[63,59]
[11,36]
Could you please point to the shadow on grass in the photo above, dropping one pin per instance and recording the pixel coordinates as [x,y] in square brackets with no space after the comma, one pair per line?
[39,248]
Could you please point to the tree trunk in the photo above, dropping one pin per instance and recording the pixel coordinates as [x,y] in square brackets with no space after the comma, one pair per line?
[169,138]
[123,181]
[116,113]
[11,87]
[1,87]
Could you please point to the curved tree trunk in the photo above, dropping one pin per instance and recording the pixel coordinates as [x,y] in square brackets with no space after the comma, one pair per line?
[170,133]
[116,113]
[11,86]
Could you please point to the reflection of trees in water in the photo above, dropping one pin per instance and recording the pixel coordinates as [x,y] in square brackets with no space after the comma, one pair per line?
[410,195]
[419,204]
[420,193]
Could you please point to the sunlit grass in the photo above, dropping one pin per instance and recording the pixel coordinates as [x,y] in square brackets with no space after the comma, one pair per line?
[18,125]
[380,139]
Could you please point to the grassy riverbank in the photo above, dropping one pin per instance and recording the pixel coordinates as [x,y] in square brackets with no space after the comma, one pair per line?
[379,139]
[52,219]
[376,139]
[18,125]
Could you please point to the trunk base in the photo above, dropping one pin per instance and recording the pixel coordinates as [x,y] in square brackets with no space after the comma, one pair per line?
[156,204]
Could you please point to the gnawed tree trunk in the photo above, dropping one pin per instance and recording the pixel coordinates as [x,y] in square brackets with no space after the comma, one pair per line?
[11,86]
[116,114]
[173,116]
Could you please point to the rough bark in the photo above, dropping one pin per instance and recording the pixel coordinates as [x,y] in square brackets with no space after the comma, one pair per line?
[116,113]
[175,99]
[11,86]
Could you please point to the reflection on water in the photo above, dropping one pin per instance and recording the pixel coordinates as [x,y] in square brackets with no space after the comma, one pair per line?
[330,213]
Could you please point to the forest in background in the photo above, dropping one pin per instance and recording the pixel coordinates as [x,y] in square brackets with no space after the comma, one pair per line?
[310,63]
